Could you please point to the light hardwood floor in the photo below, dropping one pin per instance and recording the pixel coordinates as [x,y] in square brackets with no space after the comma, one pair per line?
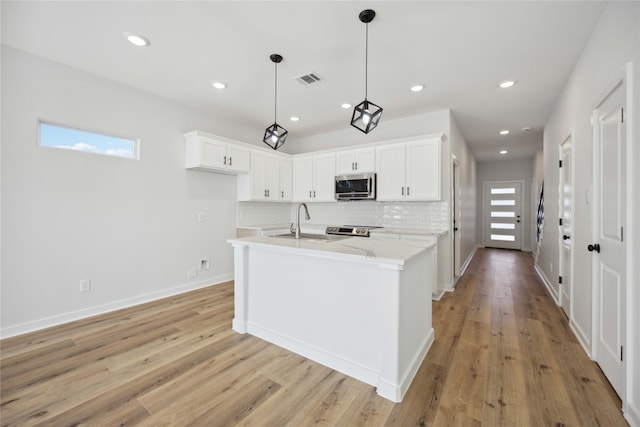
[503,355]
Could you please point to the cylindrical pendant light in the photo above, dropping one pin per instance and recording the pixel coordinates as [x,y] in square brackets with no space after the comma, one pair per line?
[366,115]
[275,135]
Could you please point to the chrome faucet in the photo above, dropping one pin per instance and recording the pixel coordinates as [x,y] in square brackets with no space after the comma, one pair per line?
[306,215]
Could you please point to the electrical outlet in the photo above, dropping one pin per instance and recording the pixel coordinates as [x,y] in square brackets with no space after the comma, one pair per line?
[551,267]
[202,217]
[85,285]
[205,264]
[191,273]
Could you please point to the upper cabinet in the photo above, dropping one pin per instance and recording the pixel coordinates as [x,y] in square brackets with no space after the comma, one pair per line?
[203,152]
[314,178]
[355,161]
[409,171]
[268,180]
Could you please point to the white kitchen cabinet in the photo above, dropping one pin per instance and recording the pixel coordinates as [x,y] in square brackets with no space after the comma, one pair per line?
[265,181]
[355,161]
[409,171]
[314,178]
[286,180]
[203,152]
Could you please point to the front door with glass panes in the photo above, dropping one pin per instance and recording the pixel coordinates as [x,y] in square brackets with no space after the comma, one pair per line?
[502,214]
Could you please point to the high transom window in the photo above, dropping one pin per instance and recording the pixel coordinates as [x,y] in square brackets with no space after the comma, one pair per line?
[68,138]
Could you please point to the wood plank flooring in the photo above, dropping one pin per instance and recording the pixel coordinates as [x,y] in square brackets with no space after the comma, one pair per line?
[503,356]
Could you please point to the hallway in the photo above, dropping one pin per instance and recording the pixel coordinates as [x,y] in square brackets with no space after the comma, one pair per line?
[503,355]
[509,355]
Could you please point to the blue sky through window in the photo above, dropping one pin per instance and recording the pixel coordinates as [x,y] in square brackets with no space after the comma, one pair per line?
[79,140]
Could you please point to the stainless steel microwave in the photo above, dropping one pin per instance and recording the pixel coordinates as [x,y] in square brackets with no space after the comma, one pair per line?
[360,186]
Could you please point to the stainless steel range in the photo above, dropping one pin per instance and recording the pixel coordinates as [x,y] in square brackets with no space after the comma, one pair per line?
[351,230]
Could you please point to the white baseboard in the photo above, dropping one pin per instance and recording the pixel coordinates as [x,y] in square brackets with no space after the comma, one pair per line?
[468,260]
[437,296]
[632,415]
[547,284]
[71,316]
[366,374]
[583,339]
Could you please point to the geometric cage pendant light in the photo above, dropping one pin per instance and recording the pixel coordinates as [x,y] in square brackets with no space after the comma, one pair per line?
[275,135]
[366,115]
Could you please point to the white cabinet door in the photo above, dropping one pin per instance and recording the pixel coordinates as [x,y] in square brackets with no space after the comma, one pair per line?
[303,179]
[286,180]
[237,158]
[257,176]
[355,161]
[212,153]
[345,162]
[390,161]
[324,175]
[272,178]
[423,170]
[366,160]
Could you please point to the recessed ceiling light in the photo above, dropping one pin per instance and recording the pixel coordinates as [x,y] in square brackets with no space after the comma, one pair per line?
[503,152]
[506,84]
[137,39]
[218,85]
[417,88]
[346,105]
[504,132]
[294,118]
[526,129]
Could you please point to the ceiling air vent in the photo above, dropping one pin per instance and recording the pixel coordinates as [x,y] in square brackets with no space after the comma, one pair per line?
[309,79]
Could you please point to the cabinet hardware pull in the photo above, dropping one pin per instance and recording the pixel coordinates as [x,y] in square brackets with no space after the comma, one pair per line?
[407,190]
[353,166]
[309,193]
[282,194]
[224,160]
[403,191]
[314,194]
[230,160]
[356,165]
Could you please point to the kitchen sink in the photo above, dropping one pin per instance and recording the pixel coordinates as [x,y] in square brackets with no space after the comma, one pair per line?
[312,237]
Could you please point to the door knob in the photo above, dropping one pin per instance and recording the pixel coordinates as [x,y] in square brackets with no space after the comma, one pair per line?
[595,247]
[565,237]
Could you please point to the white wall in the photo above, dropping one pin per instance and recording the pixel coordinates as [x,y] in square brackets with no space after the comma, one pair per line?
[129,226]
[615,42]
[466,221]
[508,170]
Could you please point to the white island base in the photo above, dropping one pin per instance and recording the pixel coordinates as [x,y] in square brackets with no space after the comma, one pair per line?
[359,306]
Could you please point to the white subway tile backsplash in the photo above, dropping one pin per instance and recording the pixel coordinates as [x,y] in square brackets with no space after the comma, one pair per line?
[429,215]
[263,213]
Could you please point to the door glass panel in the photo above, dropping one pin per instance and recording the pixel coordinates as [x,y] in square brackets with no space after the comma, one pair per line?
[503,203]
[503,238]
[500,226]
[503,191]
[496,214]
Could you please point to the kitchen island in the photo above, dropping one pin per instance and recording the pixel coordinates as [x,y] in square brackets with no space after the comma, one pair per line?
[359,306]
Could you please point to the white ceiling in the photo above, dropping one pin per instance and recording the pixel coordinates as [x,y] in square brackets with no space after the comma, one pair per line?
[458,50]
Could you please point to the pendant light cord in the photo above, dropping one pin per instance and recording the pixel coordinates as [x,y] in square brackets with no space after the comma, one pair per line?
[366,60]
[275,106]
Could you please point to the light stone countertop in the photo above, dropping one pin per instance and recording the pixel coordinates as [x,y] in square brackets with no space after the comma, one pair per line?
[373,251]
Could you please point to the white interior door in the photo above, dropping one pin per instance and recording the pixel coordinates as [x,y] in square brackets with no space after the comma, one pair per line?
[503,214]
[566,229]
[609,247]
